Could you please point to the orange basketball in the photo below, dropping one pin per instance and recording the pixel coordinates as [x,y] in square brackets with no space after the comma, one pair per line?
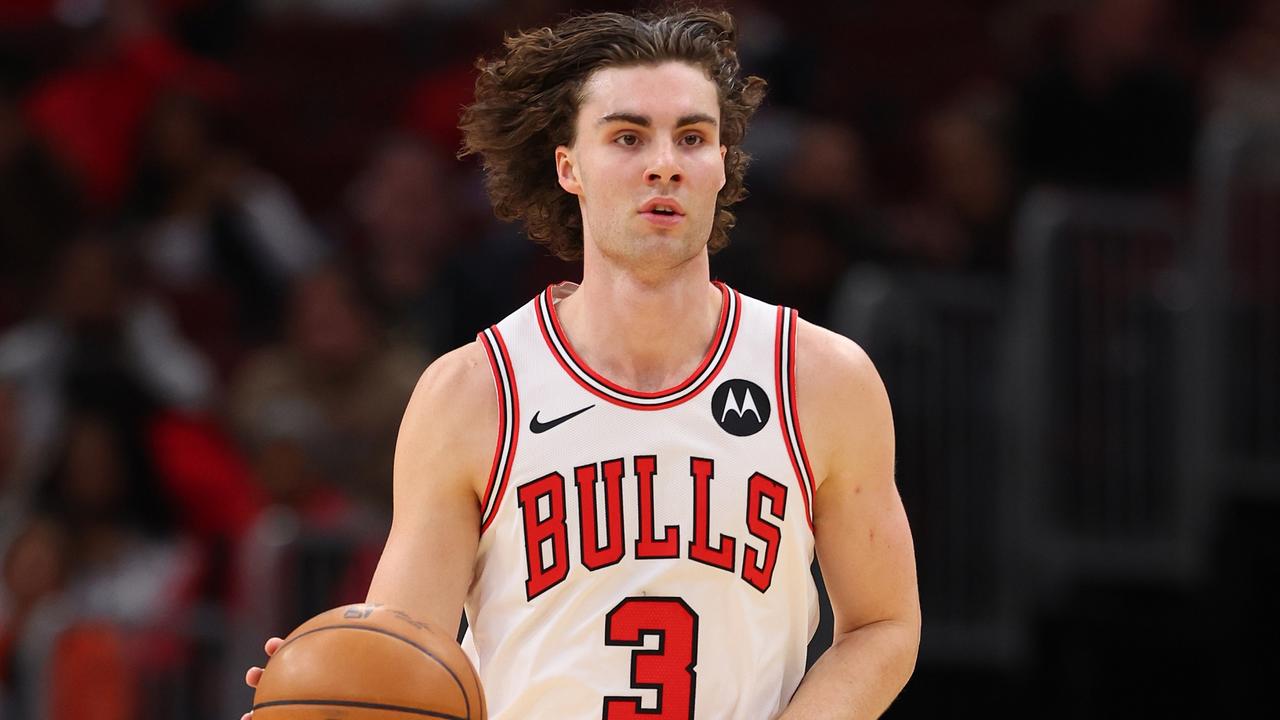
[368,662]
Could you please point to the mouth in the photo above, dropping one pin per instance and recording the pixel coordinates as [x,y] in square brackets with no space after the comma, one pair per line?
[664,212]
[661,219]
[663,206]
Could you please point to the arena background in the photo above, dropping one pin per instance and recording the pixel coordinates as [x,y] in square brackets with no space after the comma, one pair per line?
[233,233]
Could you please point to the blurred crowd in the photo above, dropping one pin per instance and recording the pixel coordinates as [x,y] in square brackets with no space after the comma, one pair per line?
[233,233]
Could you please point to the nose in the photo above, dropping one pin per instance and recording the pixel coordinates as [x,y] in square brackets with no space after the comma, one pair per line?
[664,165]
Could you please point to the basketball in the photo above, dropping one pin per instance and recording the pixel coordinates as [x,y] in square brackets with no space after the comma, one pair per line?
[368,662]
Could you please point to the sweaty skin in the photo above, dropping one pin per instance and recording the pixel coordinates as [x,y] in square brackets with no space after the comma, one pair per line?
[645,132]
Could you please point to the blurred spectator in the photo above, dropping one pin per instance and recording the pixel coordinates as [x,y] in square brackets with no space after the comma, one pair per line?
[962,221]
[215,495]
[100,563]
[15,475]
[328,399]
[829,166]
[1110,107]
[216,233]
[1247,78]
[98,341]
[317,415]
[89,112]
[405,229]
[286,464]
[39,211]
[437,270]
[52,664]
[811,214]
[126,564]
[35,567]
[34,571]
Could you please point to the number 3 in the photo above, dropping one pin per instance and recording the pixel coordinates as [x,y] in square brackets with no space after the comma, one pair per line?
[669,669]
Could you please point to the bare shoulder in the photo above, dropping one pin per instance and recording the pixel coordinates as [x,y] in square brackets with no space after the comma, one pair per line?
[833,374]
[842,404]
[442,461]
[826,353]
[451,422]
[461,375]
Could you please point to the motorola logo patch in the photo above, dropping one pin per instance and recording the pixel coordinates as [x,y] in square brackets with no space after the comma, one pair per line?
[740,407]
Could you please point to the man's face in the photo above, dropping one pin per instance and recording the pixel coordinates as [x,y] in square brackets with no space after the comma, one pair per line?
[643,134]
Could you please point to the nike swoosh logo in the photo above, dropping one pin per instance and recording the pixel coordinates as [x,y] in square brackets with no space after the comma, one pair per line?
[541,427]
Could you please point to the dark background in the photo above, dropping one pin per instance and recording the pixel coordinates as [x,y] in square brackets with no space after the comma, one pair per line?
[233,233]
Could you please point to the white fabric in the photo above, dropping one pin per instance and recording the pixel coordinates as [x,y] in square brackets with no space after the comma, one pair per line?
[547,657]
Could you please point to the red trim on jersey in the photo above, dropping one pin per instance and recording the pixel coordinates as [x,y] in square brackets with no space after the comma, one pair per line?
[502,419]
[716,341]
[515,431]
[782,409]
[795,413]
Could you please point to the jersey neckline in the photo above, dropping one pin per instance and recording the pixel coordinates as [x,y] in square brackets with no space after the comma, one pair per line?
[597,384]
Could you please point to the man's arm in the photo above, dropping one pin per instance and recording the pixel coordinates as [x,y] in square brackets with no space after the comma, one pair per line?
[863,542]
[442,462]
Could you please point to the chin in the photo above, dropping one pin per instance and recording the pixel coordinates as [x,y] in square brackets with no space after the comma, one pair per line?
[652,250]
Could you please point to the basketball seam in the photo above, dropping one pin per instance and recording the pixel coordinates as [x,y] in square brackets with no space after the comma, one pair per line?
[466,701]
[362,705]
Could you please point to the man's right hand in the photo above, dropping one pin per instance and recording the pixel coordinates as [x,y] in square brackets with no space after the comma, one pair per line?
[252,677]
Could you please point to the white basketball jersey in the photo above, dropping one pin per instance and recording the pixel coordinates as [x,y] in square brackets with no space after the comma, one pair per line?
[644,554]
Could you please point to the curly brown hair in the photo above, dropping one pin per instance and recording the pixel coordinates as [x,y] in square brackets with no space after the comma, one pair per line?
[527,100]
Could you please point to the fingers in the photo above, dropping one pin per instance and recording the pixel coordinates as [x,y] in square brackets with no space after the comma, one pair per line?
[273,645]
[254,675]
[247,716]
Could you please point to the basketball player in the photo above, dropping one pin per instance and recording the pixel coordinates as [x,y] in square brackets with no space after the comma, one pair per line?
[669,453]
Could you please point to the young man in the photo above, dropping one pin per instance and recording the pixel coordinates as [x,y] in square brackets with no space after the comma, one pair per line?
[670,453]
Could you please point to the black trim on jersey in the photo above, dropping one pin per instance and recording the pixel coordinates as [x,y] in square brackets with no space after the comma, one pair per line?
[533,552]
[670,534]
[727,543]
[641,633]
[750,554]
[598,474]
[785,370]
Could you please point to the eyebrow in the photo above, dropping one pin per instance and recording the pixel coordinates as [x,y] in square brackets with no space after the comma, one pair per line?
[643,120]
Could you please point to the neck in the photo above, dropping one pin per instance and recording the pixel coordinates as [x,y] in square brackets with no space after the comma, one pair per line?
[647,333]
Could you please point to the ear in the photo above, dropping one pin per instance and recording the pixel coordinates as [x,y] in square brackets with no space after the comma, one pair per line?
[566,171]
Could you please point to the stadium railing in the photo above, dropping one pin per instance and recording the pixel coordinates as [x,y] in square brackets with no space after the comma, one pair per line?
[937,341]
[1237,329]
[1106,424]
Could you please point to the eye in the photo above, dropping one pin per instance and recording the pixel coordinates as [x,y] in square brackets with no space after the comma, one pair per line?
[692,139]
[627,139]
